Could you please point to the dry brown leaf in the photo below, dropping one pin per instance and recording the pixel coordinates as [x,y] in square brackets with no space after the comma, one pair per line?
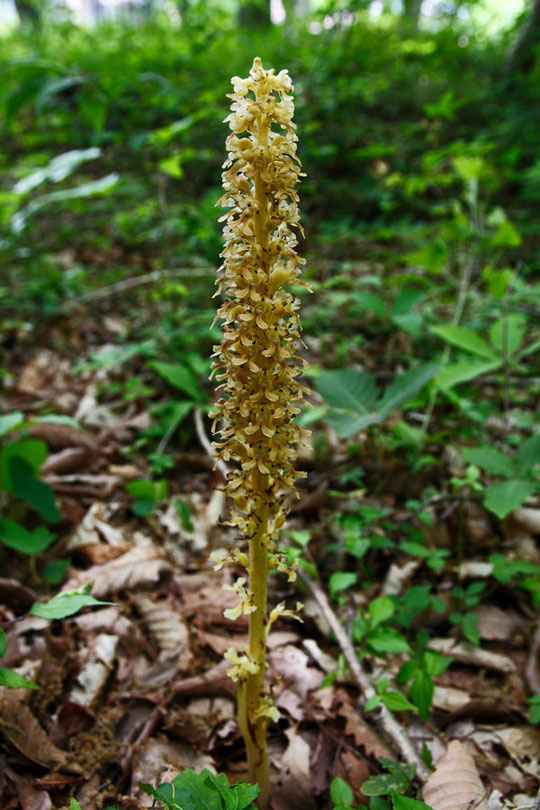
[22,729]
[496,624]
[140,566]
[468,653]
[455,783]
[291,789]
[32,799]
[363,734]
[164,623]
[523,745]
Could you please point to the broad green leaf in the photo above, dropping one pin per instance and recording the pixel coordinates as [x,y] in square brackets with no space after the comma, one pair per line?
[507,334]
[405,387]
[464,338]
[468,167]
[377,803]
[341,580]
[528,455]
[397,702]
[340,792]
[371,302]
[55,419]
[34,451]
[3,642]
[405,803]
[385,783]
[13,680]
[10,422]
[54,571]
[180,377]
[497,280]
[422,693]
[507,235]
[385,639]
[491,460]
[20,539]
[380,610]
[91,189]
[30,489]
[66,603]
[435,663]
[410,322]
[347,423]
[74,805]
[505,496]
[372,703]
[433,256]
[347,389]
[57,169]
[172,166]
[463,371]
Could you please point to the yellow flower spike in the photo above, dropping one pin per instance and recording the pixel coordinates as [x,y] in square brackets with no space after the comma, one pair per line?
[257,367]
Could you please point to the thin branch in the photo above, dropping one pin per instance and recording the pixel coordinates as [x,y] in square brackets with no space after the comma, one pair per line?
[139,281]
[383,716]
[206,444]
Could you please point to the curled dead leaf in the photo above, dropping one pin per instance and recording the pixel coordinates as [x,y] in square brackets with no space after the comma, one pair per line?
[455,783]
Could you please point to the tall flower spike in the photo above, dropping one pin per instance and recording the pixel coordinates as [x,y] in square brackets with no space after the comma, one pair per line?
[257,362]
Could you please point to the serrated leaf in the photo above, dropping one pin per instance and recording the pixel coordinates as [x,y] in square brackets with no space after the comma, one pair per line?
[464,338]
[405,803]
[66,603]
[347,389]
[505,496]
[13,680]
[491,460]
[405,387]
[463,371]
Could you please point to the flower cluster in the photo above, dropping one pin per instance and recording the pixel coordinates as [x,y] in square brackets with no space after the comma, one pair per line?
[257,361]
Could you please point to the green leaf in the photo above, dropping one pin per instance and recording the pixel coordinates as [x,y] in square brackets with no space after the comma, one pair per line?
[55,571]
[180,377]
[10,422]
[172,166]
[34,451]
[464,338]
[20,539]
[347,389]
[13,680]
[506,235]
[377,803]
[347,423]
[341,580]
[340,792]
[385,783]
[507,334]
[3,642]
[27,487]
[468,167]
[528,455]
[534,709]
[396,702]
[371,302]
[405,387]
[463,371]
[433,256]
[372,703]
[422,693]
[491,460]
[505,496]
[497,280]
[385,639]
[66,603]
[435,663]
[55,419]
[405,803]
[380,610]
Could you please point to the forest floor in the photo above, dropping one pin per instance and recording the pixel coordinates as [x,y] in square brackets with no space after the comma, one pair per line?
[137,690]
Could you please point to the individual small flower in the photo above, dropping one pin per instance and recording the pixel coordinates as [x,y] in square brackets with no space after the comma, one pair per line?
[266,708]
[245,605]
[242,665]
[234,556]
[280,610]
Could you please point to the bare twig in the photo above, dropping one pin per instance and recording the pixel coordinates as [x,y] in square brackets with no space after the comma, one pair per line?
[139,281]
[206,444]
[383,716]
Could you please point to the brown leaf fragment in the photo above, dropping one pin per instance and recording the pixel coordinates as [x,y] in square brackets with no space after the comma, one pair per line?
[23,731]
[164,624]
[455,783]
[355,725]
[496,624]
[32,799]
[291,787]
[93,677]
[141,566]
[523,744]
[467,653]
[66,461]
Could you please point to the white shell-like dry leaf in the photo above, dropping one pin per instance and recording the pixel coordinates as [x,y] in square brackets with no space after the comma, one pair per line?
[455,783]
[95,673]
